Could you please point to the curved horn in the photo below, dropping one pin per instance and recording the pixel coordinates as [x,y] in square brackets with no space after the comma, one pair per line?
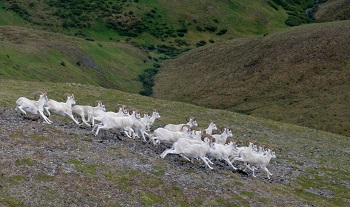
[37,93]
[230,139]
[185,125]
[99,102]
[66,95]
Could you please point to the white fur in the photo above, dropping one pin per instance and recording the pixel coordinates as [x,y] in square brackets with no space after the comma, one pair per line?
[177,127]
[61,108]
[191,149]
[26,105]
[87,112]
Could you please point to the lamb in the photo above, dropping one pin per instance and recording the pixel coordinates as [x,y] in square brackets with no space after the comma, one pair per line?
[152,119]
[26,105]
[221,138]
[177,127]
[191,149]
[211,127]
[197,134]
[141,125]
[124,124]
[61,108]
[223,152]
[88,111]
[169,137]
[99,115]
[250,157]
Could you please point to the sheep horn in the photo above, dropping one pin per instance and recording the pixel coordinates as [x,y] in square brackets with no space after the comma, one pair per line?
[66,95]
[37,93]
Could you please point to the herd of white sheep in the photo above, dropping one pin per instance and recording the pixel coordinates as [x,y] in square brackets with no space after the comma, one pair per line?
[184,139]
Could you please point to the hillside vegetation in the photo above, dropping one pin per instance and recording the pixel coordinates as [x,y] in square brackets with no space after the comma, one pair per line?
[298,75]
[150,21]
[35,55]
[333,10]
[64,165]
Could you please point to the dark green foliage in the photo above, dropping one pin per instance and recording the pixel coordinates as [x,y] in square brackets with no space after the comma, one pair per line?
[296,10]
[170,50]
[180,42]
[21,11]
[221,32]
[201,43]
[127,28]
[273,4]
[147,79]
[211,28]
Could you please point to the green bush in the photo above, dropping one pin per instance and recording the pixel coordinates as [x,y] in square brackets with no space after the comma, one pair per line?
[147,80]
[221,32]
[201,43]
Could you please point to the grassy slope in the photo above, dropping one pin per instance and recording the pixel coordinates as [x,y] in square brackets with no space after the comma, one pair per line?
[43,56]
[333,10]
[298,75]
[239,17]
[299,149]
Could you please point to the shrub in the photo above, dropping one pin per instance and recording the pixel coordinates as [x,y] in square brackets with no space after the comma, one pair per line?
[201,43]
[147,80]
[221,32]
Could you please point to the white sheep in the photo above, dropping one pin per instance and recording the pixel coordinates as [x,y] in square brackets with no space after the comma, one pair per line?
[211,127]
[61,108]
[177,127]
[152,119]
[124,124]
[191,149]
[223,152]
[99,115]
[141,125]
[26,105]
[197,134]
[169,137]
[221,138]
[88,111]
[256,159]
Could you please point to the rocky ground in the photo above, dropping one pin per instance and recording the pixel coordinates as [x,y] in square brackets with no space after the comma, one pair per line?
[64,165]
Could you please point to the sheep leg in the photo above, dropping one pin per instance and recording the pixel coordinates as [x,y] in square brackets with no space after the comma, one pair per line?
[93,129]
[83,120]
[21,109]
[229,163]
[208,160]
[47,111]
[45,118]
[267,171]
[205,161]
[253,169]
[186,158]
[144,138]
[167,151]
[247,166]
[72,117]
[99,126]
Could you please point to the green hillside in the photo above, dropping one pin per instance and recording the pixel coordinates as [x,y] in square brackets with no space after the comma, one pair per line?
[28,54]
[298,75]
[150,21]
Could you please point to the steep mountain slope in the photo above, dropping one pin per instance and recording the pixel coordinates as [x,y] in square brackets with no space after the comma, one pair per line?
[299,75]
